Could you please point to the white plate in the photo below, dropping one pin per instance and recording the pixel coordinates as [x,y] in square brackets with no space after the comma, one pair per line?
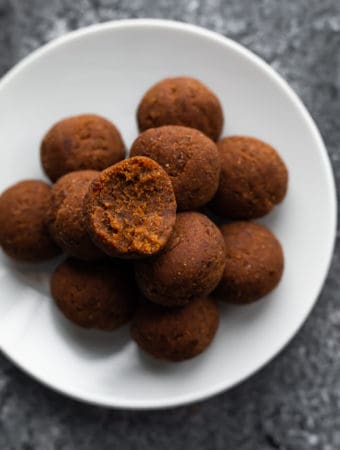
[105,69]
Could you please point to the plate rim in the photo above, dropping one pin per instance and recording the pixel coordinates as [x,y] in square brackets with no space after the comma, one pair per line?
[176,401]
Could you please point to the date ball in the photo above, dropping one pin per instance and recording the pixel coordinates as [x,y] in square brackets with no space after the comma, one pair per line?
[101,295]
[130,208]
[254,263]
[23,231]
[78,143]
[175,334]
[253,178]
[191,265]
[181,101]
[190,159]
[65,218]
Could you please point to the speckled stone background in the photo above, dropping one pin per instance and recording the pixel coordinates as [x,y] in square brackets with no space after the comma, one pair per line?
[292,404]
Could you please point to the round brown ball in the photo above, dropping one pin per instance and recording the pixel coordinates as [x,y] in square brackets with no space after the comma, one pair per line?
[253,178]
[101,295]
[190,159]
[65,219]
[181,101]
[81,142]
[191,265]
[254,263]
[175,334]
[23,232]
[130,208]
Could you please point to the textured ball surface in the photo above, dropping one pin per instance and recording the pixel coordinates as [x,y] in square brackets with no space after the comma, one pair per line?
[181,101]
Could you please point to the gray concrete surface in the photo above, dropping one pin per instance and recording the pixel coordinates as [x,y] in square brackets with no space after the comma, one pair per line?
[292,404]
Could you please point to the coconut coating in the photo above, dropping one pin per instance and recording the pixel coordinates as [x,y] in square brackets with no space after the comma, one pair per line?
[253,178]
[254,262]
[130,209]
[101,295]
[23,232]
[81,142]
[66,218]
[181,101]
[175,334]
[191,265]
[190,159]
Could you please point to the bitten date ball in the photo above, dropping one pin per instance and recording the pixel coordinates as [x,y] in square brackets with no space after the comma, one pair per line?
[78,143]
[253,178]
[23,231]
[181,101]
[175,334]
[191,265]
[190,159]
[130,208]
[66,218]
[100,295]
[254,262]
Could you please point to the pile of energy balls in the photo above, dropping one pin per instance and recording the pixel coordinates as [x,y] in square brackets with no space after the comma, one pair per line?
[139,233]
